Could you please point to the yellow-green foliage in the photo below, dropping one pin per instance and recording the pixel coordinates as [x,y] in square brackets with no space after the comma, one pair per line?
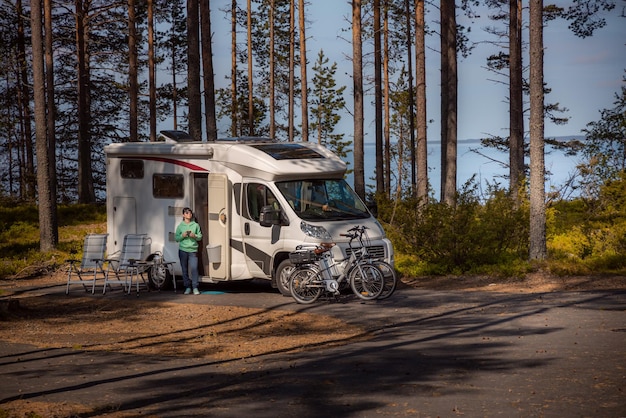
[19,237]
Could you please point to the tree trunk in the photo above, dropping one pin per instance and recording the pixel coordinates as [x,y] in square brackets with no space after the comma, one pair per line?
[85,177]
[516,100]
[133,83]
[538,249]
[386,101]
[193,70]
[357,78]
[420,99]
[27,162]
[272,104]
[378,101]
[234,116]
[207,65]
[290,115]
[250,74]
[303,76]
[47,226]
[448,101]
[151,72]
[407,15]
[51,115]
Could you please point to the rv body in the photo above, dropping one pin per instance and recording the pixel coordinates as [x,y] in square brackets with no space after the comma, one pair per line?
[255,199]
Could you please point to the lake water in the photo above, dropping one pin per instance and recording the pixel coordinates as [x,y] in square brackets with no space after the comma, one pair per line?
[484,163]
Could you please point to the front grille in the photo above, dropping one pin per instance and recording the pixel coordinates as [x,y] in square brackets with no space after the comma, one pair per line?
[375,251]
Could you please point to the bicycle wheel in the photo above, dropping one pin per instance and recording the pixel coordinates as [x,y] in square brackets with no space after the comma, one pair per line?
[391,279]
[305,284]
[366,281]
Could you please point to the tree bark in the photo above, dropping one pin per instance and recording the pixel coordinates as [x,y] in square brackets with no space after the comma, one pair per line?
[407,15]
[207,65]
[250,74]
[47,226]
[272,98]
[516,100]
[133,82]
[538,250]
[234,116]
[151,72]
[290,112]
[378,101]
[303,76]
[357,77]
[193,70]
[421,121]
[448,101]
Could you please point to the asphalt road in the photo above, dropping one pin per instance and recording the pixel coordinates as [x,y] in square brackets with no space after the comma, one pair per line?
[433,354]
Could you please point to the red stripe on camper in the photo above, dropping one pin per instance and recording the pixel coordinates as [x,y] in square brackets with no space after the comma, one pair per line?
[176,162]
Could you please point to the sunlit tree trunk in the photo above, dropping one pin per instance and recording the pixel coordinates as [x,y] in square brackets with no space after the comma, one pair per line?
[420,100]
[378,101]
[51,107]
[357,79]
[272,80]
[234,118]
[538,249]
[448,101]
[303,76]
[207,65]
[193,70]
[386,104]
[292,88]
[409,47]
[516,112]
[133,83]
[48,235]
[250,74]
[151,72]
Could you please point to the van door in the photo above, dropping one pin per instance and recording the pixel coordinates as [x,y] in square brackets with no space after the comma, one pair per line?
[260,243]
[124,220]
[217,249]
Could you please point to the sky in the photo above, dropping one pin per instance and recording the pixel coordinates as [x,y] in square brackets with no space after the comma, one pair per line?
[584,74]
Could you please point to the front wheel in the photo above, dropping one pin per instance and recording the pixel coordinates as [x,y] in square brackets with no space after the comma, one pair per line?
[391,279]
[283,271]
[366,281]
[305,284]
[159,276]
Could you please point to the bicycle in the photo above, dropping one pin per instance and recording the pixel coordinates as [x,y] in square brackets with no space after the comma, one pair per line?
[389,273]
[316,271]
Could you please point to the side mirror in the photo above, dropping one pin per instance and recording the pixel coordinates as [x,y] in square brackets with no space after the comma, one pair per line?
[269,216]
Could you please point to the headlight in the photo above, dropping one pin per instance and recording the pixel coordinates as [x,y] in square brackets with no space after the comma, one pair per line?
[318,232]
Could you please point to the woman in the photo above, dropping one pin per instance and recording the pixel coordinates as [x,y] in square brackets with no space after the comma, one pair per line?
[187,235]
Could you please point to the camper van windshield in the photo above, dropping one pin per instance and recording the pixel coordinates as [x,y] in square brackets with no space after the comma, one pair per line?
[314,200]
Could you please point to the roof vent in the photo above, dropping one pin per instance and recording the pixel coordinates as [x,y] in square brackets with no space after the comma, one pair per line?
[174,137]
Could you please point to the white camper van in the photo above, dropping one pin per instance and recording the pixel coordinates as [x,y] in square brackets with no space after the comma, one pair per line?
[255,199]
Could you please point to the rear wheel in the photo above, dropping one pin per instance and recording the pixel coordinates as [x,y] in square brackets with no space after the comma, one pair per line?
[305,284]
[159,276]
[366,281]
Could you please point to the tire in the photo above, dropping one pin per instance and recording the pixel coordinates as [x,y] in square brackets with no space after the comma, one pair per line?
[366,281]
[306,285]
[390,277]
[159,276]
[284,270]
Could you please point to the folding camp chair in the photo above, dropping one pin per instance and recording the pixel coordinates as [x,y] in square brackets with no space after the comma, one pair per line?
[91,265]
[130,265]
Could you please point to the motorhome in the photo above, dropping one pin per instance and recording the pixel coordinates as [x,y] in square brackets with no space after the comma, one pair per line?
[255,199]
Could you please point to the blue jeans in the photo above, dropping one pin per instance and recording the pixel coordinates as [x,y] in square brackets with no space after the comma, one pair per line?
[189,265]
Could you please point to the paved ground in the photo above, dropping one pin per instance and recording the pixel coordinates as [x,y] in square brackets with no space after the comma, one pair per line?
[433,354]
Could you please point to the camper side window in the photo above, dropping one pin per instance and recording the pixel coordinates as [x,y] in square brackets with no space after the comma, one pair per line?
[168,186]
[131,169]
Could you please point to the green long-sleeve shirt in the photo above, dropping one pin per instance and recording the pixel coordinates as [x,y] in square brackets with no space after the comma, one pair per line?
[188,244]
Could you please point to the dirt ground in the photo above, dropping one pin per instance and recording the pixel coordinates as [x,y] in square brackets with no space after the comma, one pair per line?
[199,330]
